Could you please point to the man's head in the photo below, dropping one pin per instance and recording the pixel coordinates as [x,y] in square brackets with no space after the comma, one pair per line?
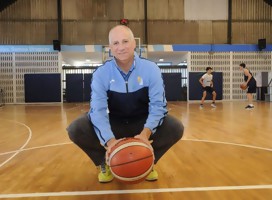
[209,70]
[242,66]
[122,42]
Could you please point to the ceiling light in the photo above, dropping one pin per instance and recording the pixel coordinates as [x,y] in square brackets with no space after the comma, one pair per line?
[161,59]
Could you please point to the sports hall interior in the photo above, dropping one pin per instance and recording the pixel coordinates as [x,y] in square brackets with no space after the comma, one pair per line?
[49,50]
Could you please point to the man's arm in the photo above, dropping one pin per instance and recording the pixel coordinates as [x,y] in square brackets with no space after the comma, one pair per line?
[98,112]
[248,75]
[201,81]
[157,102]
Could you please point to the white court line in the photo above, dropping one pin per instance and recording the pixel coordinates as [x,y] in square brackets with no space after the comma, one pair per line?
[229,143]
[19,150]
[136,191]
[193,140]
[38,147]
[77,106]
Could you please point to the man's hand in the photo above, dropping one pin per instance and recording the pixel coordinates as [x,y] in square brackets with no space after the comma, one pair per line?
[145,135]
[110,144]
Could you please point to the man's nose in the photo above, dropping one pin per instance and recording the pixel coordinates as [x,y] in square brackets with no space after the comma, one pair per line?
[121,47]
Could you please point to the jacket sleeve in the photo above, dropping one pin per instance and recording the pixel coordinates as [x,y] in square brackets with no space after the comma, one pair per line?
[98,112]
[157,100]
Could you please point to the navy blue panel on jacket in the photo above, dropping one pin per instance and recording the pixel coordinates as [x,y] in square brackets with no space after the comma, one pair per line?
[138,92]
[128,105]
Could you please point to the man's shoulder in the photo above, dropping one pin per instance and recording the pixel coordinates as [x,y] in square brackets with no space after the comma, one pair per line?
[146,63]
[103,69]
[204,75]
[106,65]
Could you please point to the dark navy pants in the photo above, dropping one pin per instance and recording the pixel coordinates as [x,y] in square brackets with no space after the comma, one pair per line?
[82,133]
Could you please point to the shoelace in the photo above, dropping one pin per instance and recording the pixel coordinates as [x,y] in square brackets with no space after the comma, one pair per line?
[103,167]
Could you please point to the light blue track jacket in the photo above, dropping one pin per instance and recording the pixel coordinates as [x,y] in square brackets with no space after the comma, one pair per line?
[139,93]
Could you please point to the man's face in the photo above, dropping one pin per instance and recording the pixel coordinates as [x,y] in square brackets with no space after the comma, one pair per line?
[122,44]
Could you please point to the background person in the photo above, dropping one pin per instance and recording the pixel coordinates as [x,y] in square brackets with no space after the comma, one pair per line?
[206,82]
[250,82]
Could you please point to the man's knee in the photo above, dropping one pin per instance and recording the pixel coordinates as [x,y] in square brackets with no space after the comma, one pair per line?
[77,127]
[176,127]
[178,130]
[72,130]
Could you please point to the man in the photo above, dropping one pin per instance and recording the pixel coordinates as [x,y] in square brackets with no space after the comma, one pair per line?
[250,82]
[206,82]
[127,100]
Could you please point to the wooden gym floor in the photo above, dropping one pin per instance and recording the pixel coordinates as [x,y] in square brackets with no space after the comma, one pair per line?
[226,153]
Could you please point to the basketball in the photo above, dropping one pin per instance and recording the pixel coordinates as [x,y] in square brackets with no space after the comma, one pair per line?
[131,160]
[243,87]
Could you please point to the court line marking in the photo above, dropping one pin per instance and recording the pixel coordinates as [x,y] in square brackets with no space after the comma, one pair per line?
[22,147]
[193,140]
[33,148]
[76,107]
[136,191]
[230,143]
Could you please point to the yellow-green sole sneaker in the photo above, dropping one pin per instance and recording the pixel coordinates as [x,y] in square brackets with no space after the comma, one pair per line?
[152,176]
[105,174]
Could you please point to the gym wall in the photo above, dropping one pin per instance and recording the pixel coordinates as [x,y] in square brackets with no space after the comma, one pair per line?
[88,21]
[14,66]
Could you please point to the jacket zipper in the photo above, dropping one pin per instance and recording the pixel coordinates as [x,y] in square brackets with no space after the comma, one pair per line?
[127,77]
[127,85]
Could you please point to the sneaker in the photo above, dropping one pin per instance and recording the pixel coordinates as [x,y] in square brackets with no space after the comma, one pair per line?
[213,105]
[105,174]
[249,107]
[201,106]
[152,176]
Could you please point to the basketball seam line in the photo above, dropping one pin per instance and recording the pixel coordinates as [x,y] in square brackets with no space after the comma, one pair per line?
[131,161]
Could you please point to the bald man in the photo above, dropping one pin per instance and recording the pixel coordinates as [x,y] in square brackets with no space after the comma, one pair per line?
[127,100]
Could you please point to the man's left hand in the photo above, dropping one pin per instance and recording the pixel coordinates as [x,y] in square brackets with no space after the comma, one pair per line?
[145,135]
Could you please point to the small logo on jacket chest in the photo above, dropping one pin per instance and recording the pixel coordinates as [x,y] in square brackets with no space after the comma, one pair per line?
[140,80]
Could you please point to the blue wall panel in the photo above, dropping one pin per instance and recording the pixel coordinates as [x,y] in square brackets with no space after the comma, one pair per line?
[195,88]
[42,88]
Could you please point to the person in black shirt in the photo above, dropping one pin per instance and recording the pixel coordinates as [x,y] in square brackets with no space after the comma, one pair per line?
[250,82]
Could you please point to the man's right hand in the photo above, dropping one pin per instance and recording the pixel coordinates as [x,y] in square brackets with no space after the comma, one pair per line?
[110,144]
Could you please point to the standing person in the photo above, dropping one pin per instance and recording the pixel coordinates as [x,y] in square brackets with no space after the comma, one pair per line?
[250,83]
[127,100]
[206,82]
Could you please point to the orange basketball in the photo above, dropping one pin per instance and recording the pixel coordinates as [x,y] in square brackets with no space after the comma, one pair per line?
[131,160]
[243,87]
